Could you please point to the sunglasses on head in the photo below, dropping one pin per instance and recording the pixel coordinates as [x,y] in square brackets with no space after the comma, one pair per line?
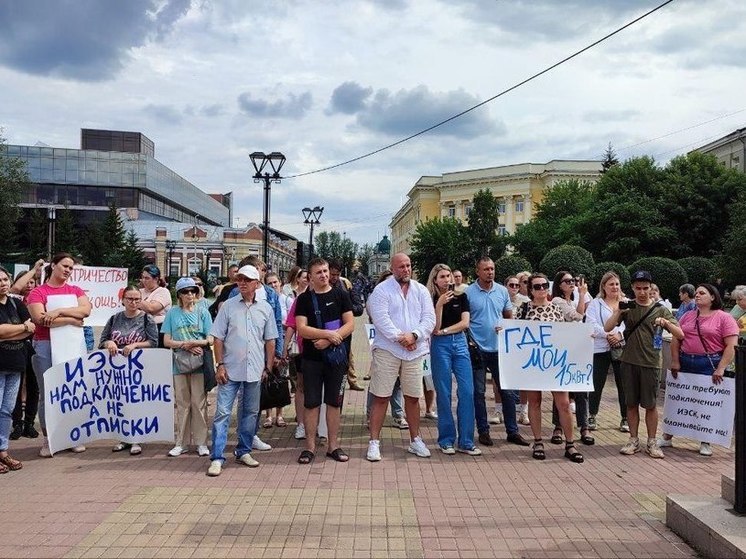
[540,286]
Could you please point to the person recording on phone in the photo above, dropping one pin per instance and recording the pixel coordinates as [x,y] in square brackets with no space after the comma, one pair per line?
[644,321]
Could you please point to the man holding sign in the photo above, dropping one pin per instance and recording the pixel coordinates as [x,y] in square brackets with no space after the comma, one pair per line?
[641,359]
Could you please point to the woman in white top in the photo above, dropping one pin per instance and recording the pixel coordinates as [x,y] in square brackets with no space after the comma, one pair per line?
[156,299]
[598,312]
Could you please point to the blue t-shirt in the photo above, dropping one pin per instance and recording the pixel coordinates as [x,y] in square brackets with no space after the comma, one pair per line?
[487,309]
[185,326]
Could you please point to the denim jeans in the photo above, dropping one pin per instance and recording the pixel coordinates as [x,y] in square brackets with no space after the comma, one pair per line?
[9,383]
[247,413]
[601,363]
[41,361]
[449,356]
[396,401]
[509,397]
[581,411]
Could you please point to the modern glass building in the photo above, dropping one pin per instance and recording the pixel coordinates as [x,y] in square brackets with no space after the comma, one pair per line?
[120,168]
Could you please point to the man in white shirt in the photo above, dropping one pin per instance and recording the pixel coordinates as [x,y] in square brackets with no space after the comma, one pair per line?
[402,312]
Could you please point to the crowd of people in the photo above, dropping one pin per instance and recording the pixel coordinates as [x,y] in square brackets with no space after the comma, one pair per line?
[259,328]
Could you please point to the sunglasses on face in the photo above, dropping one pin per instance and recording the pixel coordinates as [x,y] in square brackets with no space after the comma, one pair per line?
[190,291]
[524,282]
[513,285]
[568,280]
[539,286]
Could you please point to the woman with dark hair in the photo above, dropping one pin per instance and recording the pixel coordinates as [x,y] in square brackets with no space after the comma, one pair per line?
[156,298]
[125,331]
[709,344]
[449,357]
[15,327]
[56,284]
[541,308]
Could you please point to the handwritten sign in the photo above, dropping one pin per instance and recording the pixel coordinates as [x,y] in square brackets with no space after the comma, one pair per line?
[67,341]
[103,287]
[698,409]
[546,356]
[98,396]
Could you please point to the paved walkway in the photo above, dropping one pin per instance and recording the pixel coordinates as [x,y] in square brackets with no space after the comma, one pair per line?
[502,504]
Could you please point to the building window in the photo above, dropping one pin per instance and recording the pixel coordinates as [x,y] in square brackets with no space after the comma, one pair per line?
[501,207]
[502,231]
[519,205]
[451,211]
[468,209]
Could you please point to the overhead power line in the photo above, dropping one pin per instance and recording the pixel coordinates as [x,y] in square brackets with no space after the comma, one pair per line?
[474,107]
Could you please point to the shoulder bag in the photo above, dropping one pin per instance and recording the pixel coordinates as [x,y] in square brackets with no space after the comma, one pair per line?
[334,355]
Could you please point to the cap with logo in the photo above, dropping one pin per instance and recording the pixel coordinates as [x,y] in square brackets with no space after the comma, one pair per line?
[642,275]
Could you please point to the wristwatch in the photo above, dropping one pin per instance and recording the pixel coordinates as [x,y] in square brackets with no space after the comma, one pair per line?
[221,364]
[415,336]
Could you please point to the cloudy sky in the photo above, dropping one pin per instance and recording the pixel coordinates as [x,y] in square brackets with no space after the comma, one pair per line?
[210,81]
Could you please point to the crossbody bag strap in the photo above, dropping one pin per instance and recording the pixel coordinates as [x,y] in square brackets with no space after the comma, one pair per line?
[316,311]
[704,344]
[628,333]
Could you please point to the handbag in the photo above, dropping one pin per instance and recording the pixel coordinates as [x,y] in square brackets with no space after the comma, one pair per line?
[334,355]
[209,369]
[187,362]
[275,390]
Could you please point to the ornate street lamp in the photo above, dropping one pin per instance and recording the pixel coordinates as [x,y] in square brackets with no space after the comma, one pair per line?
[170,247]
[259,160]
[311,217]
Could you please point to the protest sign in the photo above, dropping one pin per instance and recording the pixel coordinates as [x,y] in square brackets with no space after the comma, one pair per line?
[427,373]
[67,342]
[103,286]
[697,408]
[98,396]
[546,356]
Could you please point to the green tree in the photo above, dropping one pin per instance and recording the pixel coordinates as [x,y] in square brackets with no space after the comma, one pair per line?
[609,159]
[133,257]
[364,254]
[335,246]
[115,233]
[13,179]
[510,265]
[93,245]
[732,261]
[699,269]
[667,275]
[482,231]
[439,240]
[37,234]
[574,259]
[65,233]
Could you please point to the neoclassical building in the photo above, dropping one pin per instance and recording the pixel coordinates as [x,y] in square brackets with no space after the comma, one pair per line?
[518,188]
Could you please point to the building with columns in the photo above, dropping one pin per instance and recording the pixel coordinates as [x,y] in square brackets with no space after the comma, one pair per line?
[519,188]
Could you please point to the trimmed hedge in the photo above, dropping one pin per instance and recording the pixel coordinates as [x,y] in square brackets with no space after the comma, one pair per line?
[574,259]
[509,266]
[667,275]
[602,267]
[698,269]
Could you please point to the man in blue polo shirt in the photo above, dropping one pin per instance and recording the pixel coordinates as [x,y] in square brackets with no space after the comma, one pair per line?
[490,303]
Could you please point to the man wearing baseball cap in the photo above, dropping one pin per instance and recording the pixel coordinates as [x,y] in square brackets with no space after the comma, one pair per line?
[641,359]
[245,333]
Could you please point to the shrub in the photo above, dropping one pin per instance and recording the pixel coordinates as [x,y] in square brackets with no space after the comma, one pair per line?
[509,266]
[667,274]
[601,268]
[574,259]
[698,269]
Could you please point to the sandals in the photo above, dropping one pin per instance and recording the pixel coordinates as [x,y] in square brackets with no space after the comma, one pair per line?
[267,423]
[538,451]
[556,437]
[306,457]
[573,456]
[586,439]
[338,454]
[10,463]
[280,421]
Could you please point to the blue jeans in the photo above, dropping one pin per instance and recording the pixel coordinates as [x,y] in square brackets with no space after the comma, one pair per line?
[9,384]
[41,361]
[509,397]
[449,356]
[396,401]
[247,413]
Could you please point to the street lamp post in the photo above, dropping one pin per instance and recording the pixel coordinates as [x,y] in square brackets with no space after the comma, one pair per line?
[51,218]
[311,217]
[259,160]
[170,247]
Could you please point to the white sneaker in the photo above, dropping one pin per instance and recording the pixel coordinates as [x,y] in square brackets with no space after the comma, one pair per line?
[704,449]
[216,466]
[431,415]
[497,419]
[259,444]
[419,448]
[523,418]
[78,449]
[662,442]
[449,450]
[135,449]
[473,451]
[374,451]
[300,432]
[202,450]
[248,460]
[401,423]
[177,451]
[44,451]
[653,449]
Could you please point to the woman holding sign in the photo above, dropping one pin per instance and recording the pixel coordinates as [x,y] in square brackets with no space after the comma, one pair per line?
[540,307]
[156,299]
[449,355]
[56,284]
[709,344]
[15,327]
[127,330]
[185,331]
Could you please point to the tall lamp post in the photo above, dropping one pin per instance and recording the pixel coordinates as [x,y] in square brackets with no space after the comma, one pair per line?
[259,160]
[170,247]
[51,218]
[311,217]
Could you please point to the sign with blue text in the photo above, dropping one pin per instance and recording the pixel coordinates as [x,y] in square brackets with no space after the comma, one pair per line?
[699,409]
[546,356]
[100,396]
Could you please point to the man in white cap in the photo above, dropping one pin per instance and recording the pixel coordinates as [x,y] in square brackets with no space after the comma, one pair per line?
[244,332]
